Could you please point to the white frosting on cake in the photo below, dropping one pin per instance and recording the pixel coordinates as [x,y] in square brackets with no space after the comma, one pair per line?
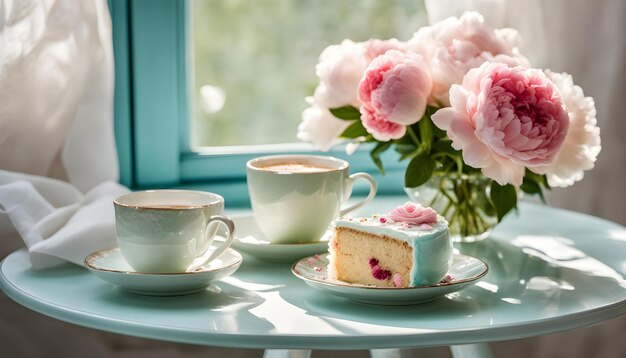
[383,225]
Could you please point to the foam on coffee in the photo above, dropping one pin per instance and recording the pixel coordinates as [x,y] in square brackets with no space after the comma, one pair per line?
[295,168]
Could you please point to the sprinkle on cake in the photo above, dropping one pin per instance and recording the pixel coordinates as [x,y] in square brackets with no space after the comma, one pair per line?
[407,247]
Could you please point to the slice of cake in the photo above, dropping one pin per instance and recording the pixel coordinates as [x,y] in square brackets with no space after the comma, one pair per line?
[408,247]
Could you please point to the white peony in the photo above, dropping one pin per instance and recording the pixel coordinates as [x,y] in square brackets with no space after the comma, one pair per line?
[320,127]
[340,69]
[453,46]
[582,142]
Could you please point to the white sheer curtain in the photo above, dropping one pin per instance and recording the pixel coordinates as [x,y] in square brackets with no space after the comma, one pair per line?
[588,40]
[58,163]
[56,90]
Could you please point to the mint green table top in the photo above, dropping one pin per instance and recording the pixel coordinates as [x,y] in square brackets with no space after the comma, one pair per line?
[550,270]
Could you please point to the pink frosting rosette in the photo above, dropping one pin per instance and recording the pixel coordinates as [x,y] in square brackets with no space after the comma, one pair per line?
[413,213]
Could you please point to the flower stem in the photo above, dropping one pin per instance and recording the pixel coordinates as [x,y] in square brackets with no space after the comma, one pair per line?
[412,135]
[461,199]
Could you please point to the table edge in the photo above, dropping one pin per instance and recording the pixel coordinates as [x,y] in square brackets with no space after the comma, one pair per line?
[296,341]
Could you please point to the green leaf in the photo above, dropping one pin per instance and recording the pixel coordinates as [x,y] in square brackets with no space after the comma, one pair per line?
[418,172]
[445,146]
[347,113]
[545,182]
[540,179]
[355,130]
[471,170]
[430,110]
[530,186]
[409,155]
[504,198]
[537,178]
[405,148]
[437,132]
[376,152]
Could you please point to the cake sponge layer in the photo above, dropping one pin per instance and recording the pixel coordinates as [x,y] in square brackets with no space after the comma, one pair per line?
[365,258]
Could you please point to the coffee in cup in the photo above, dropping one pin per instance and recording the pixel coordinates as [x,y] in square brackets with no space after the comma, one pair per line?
[294,198]
[294,168]
[169,231]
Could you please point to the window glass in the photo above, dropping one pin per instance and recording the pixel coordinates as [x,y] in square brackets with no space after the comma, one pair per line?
[253,61]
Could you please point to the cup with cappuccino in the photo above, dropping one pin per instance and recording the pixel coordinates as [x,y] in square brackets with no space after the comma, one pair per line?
[294,198]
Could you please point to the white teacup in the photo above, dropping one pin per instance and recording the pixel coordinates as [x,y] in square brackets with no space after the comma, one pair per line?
[168,231]
[295,197]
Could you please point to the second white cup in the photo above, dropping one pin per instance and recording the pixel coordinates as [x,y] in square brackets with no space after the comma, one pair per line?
[294,198]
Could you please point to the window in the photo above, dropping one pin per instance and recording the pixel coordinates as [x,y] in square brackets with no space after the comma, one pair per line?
[198,81]
[253,61]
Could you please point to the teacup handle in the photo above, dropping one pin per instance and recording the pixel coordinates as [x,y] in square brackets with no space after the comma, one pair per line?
[373,187]
[209,241]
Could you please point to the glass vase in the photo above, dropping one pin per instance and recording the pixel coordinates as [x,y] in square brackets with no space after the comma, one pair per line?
[463,199]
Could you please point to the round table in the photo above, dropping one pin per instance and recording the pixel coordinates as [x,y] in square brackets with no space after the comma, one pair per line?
[550,270]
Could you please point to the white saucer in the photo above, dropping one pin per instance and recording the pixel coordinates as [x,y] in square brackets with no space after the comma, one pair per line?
[251,241]
[465,271]
[110,266]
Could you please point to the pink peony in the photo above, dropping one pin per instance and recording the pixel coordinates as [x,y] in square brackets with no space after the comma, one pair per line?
[341,66]
[582,143]
[393,89]
[374,48]
[340,69]
[382,129]
[455,45]
[505,119]
[413,213]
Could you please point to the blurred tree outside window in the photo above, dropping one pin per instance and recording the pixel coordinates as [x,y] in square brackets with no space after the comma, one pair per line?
[253,61]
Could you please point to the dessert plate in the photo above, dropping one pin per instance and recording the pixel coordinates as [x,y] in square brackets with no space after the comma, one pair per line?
[465,271]
[251,241]
[110,266]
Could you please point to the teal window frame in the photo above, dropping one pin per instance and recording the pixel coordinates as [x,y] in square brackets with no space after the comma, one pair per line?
[152,112]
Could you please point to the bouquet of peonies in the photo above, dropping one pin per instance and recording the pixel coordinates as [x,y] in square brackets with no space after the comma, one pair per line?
[461,103]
